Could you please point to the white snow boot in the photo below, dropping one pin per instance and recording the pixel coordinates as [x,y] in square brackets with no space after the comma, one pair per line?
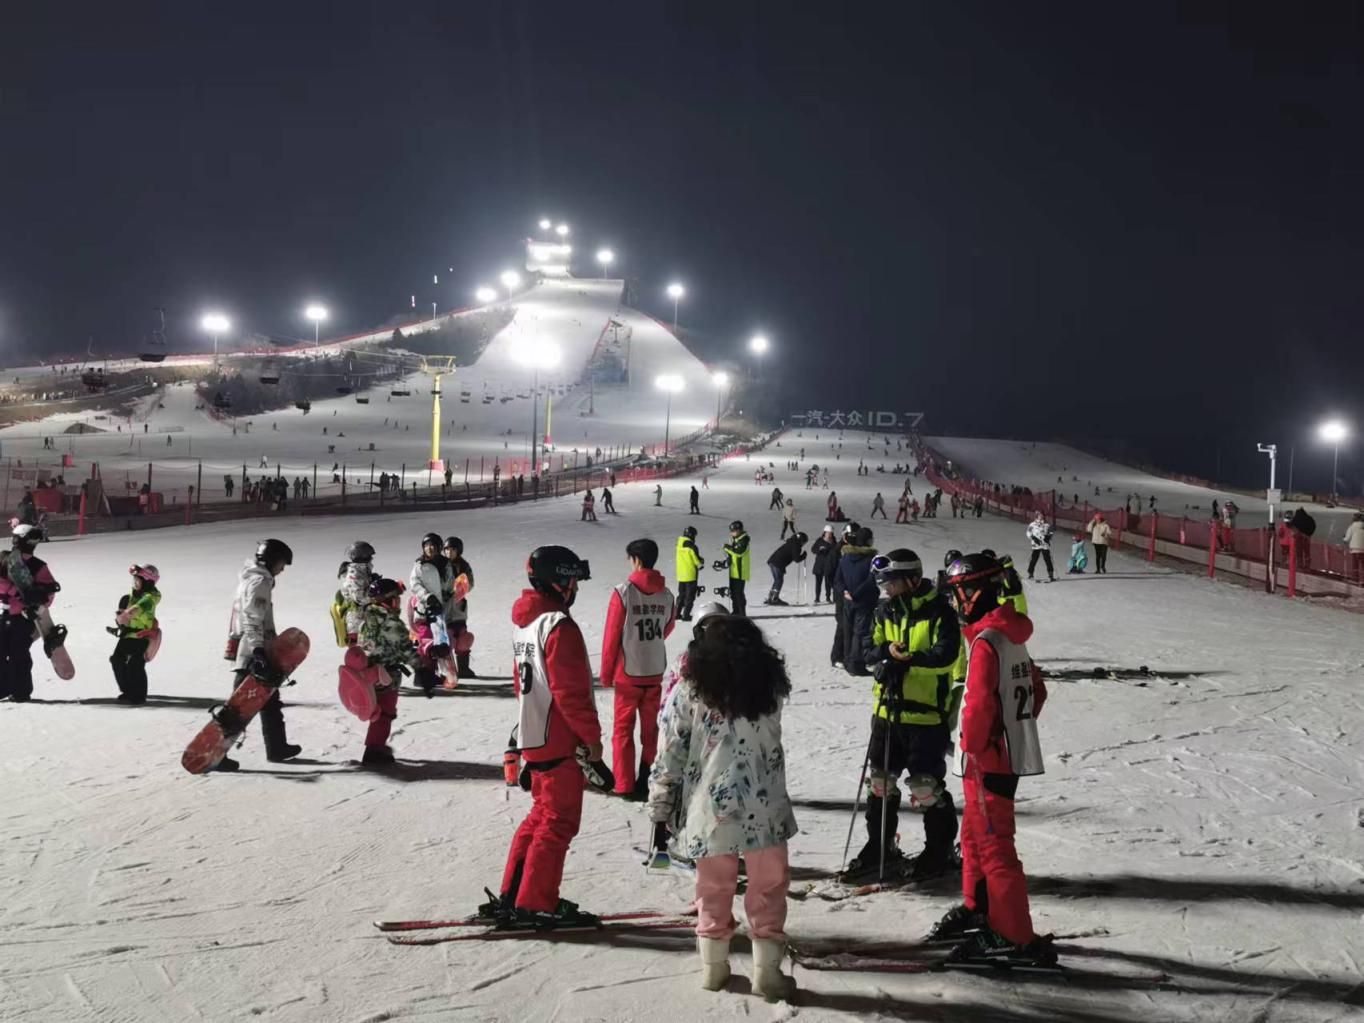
[714,962]
[768,980]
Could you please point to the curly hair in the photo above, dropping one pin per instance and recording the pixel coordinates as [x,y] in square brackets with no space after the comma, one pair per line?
[734,671]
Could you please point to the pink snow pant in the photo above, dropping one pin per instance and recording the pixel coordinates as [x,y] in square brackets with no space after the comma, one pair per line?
[717,877]
[382,723]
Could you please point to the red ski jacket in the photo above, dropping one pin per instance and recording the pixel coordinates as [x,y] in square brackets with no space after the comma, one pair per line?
[647,581]
[982,726]
[573,719]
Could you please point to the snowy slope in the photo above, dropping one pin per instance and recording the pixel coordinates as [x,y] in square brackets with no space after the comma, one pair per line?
[1206,826]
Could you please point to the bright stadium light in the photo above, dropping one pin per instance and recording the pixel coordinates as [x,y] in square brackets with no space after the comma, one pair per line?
[759,345]
[605,257]
[545,223]
[562,230]
[316,313]
[1333,431]
[675,292]
[215,324]
[511,280]
[485,294]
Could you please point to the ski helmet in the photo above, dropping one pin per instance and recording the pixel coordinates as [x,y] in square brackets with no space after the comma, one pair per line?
[974,582]
[381,589]
[988,553]
[950,557]
[829,530]
[863,537]
[26,537]
[270,551]
[147,573]
[901,563]
[556,571]
[802,539]
[432,540]
[736,526]
[689,532]
[454,543]
[359,551]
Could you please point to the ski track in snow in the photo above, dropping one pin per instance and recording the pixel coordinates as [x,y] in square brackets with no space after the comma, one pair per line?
[1209,825]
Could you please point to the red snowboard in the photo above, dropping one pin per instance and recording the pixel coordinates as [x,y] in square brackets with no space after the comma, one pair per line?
[269,669]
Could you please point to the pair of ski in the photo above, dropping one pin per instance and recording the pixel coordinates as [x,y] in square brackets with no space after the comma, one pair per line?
[476,928]
[931,957]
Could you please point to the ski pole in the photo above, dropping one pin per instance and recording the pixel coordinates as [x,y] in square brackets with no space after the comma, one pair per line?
[857,796]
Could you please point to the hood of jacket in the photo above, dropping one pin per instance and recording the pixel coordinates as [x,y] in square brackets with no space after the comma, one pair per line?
[853,551]
[1017,628]
[251,568]
[531,605]
[647,580]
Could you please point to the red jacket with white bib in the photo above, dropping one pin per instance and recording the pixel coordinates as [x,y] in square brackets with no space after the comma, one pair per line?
[640,617]
[1004,696]
[553,680]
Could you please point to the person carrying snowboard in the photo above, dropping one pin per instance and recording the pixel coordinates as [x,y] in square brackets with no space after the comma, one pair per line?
[428,599]
[557,725]
[639,618]
[915,642]
[388,646]
[739,557]
[136,618]
[26,584]
[689,564]
[997,744]
[355,573]
[457,618]
[252,623]
[718,792]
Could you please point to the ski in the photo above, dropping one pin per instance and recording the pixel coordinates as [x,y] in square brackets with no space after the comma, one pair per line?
[477,921]
[491,933]
[846,962]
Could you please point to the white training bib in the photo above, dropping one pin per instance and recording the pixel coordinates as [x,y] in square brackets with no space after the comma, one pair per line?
[533,698]
[642,644]
[1015,703]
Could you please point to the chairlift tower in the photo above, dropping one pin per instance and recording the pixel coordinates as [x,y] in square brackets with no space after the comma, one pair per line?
[438,366]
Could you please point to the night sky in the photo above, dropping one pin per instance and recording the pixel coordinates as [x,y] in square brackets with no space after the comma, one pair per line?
[1093,221]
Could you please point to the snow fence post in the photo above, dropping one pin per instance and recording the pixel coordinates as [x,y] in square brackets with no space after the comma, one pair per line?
[1151,546]
[80,523]
[1292,563]
[1212,554]
[200,490]
[313,493]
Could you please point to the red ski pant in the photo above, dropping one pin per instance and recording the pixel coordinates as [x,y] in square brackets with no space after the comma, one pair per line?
[631,700]
[381,725]
[988,854]
[540,844]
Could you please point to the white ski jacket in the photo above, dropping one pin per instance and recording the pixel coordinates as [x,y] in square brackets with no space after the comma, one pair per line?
[253,610]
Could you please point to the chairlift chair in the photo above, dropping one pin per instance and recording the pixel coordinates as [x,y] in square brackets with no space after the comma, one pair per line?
[304,406]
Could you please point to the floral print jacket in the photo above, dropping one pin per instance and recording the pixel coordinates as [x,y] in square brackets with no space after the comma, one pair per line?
[719,785]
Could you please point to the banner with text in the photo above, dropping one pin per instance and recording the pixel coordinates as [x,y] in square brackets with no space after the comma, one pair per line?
[857,419]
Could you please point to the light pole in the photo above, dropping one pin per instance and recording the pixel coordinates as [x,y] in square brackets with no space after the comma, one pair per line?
[669,384]
[1333,431]
[1272,450]
[721,381]
[605,257]
[316,313]
[216,324]
[484,294]
[511,280]
[675,292]
[536,354]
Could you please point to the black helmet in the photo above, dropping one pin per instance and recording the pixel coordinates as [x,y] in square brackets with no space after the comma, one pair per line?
[384,589]
[863,537]
[974,581]
[455,544]
[736,526]
[689,532]
[554,571]
[950,557]
[360,551]
[270,551]
[432,540]
[901,563]
[988,553]
[26,537]
[802,539]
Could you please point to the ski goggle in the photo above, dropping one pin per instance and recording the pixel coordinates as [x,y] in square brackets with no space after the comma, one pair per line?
[885,568]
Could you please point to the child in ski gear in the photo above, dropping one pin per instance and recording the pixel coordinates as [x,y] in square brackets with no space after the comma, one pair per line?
[388,646]
[429,594]
[639,618]
[136,618]
[739,557]
[1079,557]
[689,564]
[791,551]
[718,792]
[26,583]
[457,618]
[1039,534]
[252,623]
[557,715]
[915,643]
[997,744]
[355,573]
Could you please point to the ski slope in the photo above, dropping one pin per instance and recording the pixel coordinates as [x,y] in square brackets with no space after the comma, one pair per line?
[566,315]
[1204,823]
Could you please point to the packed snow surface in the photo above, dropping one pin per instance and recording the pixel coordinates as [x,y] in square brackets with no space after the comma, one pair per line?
[1204,823]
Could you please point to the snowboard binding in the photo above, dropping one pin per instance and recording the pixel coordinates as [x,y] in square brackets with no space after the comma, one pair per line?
[228,720]
[56,637]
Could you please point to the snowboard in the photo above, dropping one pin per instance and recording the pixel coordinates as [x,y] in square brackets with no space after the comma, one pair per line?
[54,643]
[462,587]
[445,664]
[268,669]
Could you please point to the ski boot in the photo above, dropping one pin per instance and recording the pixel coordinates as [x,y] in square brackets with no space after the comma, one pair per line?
[777,601]
[865,867]
[377,756]
[957,922]
[462,664]
[498,908]
[286,752]
[565,914]
[986,948]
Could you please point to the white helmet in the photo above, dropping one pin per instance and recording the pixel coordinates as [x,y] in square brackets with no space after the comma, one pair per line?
[25,535]
[710,611]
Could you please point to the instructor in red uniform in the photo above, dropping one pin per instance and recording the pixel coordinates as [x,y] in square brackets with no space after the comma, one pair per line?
[557,717]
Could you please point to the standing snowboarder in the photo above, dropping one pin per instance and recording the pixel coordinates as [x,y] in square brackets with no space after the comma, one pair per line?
[457,614]
[639,618]
[252,623]
[136,618]
[557,724]
[22,598]
[997,744]
[739,556]
[387,646]
[689,562]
